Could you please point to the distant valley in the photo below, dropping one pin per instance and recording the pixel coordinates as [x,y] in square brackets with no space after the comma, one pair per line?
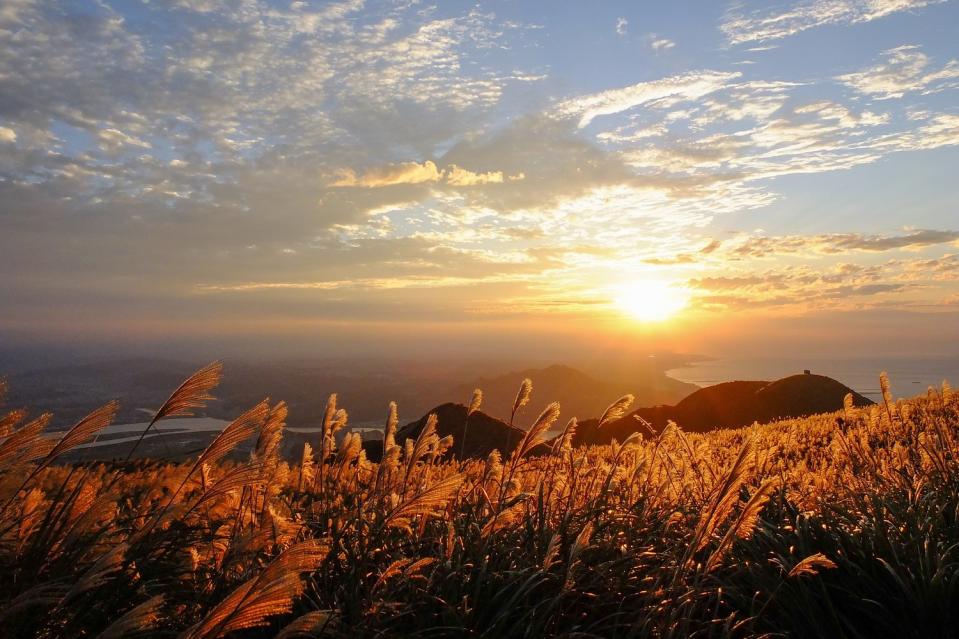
[363,389]
[724,405]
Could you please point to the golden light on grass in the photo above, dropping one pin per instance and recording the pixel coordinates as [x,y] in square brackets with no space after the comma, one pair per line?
[650,299]
[245,539]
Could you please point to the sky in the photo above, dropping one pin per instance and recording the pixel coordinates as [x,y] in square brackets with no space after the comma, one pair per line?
[492,177]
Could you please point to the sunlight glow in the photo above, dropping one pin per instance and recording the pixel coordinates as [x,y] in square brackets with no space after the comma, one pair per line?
[651,300]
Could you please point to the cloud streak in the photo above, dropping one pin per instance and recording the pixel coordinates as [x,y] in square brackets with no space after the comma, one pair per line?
[905,70]
[765,26]
[688,86]
[841,243]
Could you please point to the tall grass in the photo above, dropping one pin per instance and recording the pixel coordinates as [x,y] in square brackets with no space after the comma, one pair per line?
[843,525]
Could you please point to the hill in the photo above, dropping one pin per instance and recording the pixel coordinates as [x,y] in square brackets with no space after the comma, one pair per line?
[731,405]
[601,538]
[579,393]
[478,438]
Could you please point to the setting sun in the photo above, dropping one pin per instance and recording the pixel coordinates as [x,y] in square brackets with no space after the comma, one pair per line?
[651,300]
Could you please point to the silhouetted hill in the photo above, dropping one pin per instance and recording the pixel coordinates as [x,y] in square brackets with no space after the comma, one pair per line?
[732,404]
[483,435]
[807,395]
[578,393]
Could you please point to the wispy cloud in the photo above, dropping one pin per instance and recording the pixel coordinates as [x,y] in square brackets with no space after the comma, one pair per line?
[840,243]
[837,286]
[688,86]
[904,70]
[763,26]
[659,44]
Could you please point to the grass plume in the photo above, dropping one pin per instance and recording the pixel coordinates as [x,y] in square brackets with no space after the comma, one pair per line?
[830,525]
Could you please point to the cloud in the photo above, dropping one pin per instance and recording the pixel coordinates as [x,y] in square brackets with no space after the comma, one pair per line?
[357,283]
[915,239]
[113,141]
[659,44]
[403,173]
[457,176]
[132,134]
[773,25]
[629,134]
[349,157]
[417,173]
[688,86]
[243,80]
[805,288]
[622,24]
[752,131]
[684,258]
[941,269]
[836,243]
[904,70]
[553,161]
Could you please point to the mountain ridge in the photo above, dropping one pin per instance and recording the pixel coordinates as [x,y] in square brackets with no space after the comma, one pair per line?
[579,392]
[731,405]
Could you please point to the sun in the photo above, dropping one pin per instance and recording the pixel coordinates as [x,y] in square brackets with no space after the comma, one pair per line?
[650,300]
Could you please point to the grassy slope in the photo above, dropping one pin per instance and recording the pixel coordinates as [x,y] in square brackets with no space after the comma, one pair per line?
[684,535]
[731,405]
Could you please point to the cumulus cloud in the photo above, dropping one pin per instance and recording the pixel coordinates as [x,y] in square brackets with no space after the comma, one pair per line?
[622,24]
[763,26]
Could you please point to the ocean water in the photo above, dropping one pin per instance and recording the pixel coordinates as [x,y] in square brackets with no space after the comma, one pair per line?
[907,376]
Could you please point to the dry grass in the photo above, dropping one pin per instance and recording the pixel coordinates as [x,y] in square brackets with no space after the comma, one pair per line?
[843,525]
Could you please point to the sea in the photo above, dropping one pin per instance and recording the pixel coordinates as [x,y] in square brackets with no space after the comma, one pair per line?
[907,376]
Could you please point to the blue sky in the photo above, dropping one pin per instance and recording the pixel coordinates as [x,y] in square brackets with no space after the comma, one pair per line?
[187,167]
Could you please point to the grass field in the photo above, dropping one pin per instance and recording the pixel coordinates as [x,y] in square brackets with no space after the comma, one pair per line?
[840,525]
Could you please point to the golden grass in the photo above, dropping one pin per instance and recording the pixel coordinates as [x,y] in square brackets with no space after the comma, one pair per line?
[833,525]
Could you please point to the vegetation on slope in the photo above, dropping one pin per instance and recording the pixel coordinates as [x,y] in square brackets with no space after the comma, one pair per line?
[837,525]
[731,405]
